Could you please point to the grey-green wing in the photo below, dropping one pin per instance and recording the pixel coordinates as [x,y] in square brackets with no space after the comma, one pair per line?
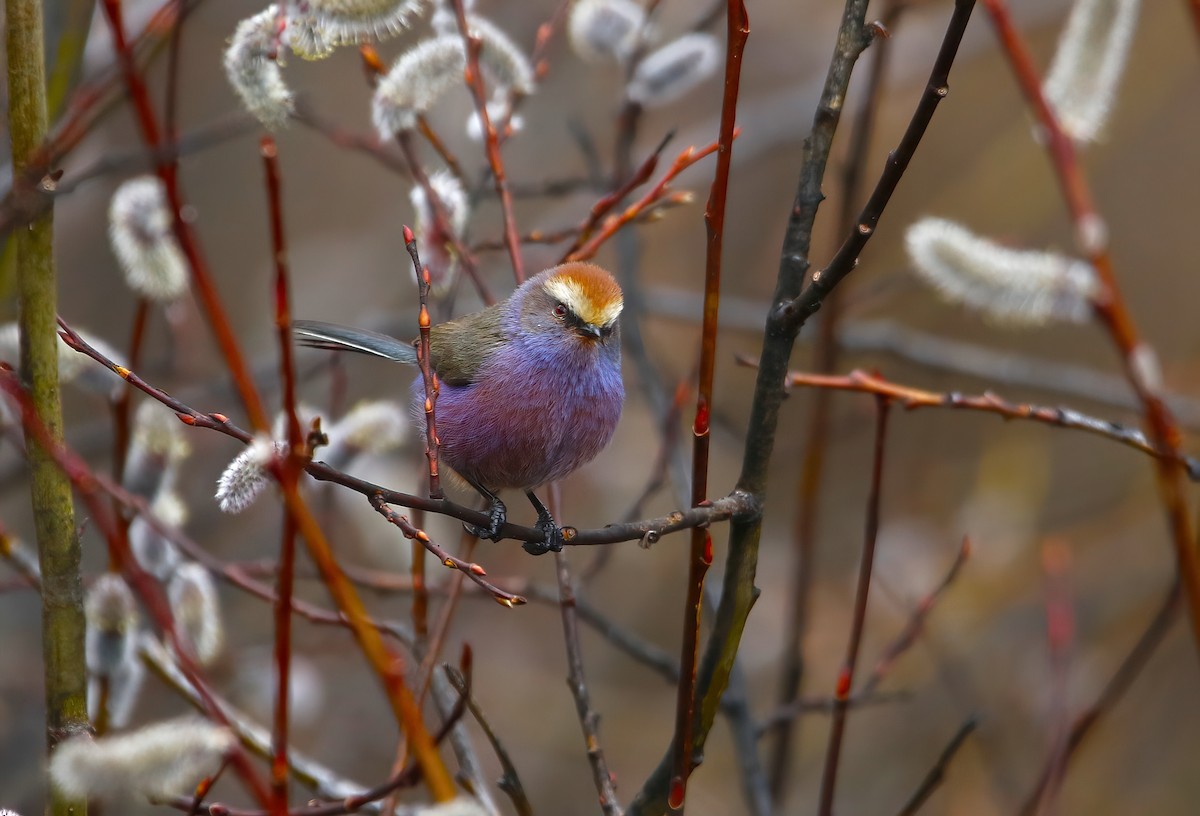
[458,349]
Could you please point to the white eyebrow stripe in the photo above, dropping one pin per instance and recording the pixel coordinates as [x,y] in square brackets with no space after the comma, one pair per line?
[572,294]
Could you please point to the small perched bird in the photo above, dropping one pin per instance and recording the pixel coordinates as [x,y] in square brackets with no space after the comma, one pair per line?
[530,388]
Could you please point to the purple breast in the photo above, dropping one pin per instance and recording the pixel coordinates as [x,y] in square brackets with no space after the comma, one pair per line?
[534,416]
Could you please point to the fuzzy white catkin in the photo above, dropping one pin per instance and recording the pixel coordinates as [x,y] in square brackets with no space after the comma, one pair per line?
[156,553]
[111,625]
[254,75]
[415,82]
[1082,82]
[602,30]
[421,75]
[164,759]
[673,70]
[246,476]
[315,27]
[369,427]
[141,231]
[197,611]
[1020,287]
[156,449]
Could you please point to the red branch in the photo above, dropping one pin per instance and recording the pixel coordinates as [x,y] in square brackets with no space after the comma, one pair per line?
[290,470]
[1110,308]
[701,551]
[474,79]
[615,222]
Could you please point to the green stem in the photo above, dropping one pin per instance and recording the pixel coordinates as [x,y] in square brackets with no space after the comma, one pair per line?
[54,515]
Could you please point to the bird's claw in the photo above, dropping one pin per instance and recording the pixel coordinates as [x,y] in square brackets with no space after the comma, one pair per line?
[553,537]
[497,518]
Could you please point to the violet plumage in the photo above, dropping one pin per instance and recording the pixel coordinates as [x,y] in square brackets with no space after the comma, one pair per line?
[531,387]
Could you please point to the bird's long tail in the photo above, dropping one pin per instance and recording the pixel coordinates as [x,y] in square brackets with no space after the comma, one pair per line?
[331,336]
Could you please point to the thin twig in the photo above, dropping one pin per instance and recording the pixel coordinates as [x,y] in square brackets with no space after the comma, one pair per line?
[913,398]
[1060,633]
[937,773]
[611,225]
[1129,670]
[474,80]
[589,719]
[510,781]
[475,572]
[845,680]
[428,378]
[613,198]
[916,623]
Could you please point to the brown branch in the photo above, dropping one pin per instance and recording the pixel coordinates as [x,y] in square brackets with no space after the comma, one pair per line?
[509,782]
[1110,308]
[475,572]
[589,720]
[911,398]
[474,79]
[916,623]
[845,680]
[647,531]
[826,355]
[937,773]
[779,338]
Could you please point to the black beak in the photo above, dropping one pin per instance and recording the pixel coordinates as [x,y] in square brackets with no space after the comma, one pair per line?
[589,331]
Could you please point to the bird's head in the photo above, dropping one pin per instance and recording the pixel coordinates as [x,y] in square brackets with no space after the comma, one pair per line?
[579,301]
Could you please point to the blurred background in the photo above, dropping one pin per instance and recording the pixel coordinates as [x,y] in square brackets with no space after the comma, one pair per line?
[1008,486]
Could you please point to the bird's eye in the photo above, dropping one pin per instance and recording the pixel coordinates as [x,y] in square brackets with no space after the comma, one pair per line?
[560,311]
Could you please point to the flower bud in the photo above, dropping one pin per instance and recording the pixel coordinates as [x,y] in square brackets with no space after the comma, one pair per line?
[156,553]
[164,759]
[246,476]
[197,611]
[141,231]
[1025,287]
[112,622]
[156,449]
[1081,84]
[253,71]
[675,69]
[124,688]
[605,29]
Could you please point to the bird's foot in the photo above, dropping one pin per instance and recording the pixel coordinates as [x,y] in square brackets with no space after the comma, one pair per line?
[548,527]
[497,517]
